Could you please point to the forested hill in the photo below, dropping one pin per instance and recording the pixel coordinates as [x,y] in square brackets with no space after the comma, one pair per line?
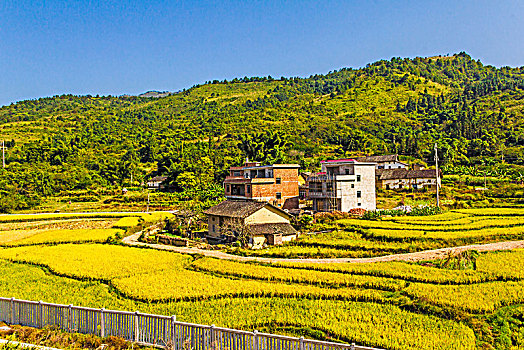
[474,112]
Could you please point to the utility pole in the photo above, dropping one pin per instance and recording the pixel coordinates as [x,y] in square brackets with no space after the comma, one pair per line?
[436,171]
[147,210]
[3,154]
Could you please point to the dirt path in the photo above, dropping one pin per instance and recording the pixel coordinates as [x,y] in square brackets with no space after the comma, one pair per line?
[418,256]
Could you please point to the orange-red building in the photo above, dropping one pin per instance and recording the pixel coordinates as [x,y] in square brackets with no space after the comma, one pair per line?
[276,184]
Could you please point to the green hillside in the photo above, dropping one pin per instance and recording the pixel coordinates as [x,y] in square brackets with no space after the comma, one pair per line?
[67,143]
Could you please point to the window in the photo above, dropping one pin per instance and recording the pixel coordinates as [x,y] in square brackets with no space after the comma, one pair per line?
[279,195]
[278,181]
[359,194]
[358,178]
[214,228]
[248,188]
[227,188]
[213,219]
[359,204]
[352,185]
[347,171]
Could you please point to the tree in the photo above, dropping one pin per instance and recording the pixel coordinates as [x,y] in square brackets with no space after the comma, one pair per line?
[236,230]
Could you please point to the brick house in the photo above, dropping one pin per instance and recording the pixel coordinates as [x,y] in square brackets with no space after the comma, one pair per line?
[264,223]
[343,184]
[388,161]
[276,184]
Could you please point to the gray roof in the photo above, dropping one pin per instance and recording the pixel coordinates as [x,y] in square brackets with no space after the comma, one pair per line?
[394,174]
[239,208]
[379,159]
[158,178]
[264,229]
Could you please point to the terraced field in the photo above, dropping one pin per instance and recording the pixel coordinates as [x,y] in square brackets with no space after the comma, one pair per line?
[357,238]
[394,305]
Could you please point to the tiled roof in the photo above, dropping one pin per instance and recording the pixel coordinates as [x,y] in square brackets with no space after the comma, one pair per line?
[336,160]
[379,159]
[264,229]
[239,208]
[158,178]
[393,174]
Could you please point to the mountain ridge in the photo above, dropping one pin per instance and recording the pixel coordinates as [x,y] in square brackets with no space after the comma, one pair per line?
[474,113]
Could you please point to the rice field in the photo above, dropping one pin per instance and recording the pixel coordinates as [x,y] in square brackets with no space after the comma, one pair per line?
[393,305]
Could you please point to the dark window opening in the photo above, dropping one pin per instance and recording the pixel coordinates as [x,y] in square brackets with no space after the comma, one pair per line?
[278,181]
[279,195]
[358,178]
[359,194]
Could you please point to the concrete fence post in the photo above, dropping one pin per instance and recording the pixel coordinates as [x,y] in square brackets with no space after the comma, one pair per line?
[40,314]
[102,323]
[135,323]
[352,346]
[70,317]
[211,344]
[301,343]
[173,332]
[255,340]
[12,311]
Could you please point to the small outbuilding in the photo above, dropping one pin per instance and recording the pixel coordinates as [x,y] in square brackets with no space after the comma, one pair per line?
[254,223]
[157,183]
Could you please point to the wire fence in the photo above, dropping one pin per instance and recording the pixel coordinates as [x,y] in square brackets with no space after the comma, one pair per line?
[151,330]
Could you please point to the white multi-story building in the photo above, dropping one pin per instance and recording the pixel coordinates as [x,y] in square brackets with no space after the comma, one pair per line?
[343,184]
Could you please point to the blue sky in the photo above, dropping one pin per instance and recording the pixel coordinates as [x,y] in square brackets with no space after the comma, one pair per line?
[119,47]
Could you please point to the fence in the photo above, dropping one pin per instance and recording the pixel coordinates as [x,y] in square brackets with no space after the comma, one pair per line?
[151,330]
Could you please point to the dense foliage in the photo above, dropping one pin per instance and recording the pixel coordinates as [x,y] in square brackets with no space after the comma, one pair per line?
[70,143]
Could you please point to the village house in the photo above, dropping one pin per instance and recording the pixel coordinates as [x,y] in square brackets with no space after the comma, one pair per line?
[393,179]
[388,161]
[343,184]
[276,184]
[261,223]
[156,183]
[302,185]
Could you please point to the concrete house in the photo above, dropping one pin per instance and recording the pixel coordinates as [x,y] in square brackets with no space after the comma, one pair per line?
[276,184]
[264,223]
[343,184]
[392,179]
[388,161]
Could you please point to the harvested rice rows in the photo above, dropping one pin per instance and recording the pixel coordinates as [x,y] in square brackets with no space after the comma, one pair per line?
[30,237]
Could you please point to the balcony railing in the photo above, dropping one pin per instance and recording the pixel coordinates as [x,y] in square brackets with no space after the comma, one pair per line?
[326,194]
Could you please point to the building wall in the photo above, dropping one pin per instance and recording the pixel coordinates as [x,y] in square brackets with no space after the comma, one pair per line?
[266,216]
[420,183]
[266,189]
[355,179]
[288,188]
[391,165]
[213,226]
[348,191]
